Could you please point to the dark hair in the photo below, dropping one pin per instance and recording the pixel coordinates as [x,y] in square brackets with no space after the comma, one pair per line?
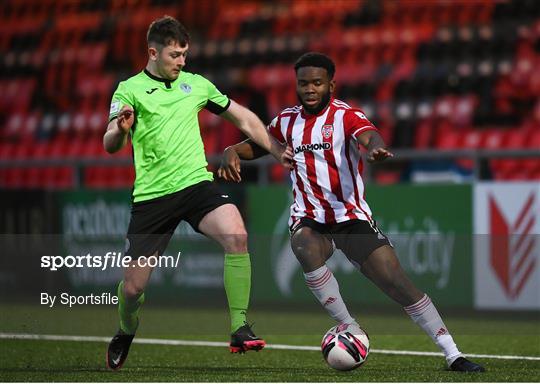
[316,59]
[167,30]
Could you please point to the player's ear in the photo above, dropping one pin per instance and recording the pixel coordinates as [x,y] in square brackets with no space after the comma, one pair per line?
[153,53]
[332,85]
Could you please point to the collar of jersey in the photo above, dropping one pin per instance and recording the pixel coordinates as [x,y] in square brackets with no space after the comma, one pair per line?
[306,115]
[166,82]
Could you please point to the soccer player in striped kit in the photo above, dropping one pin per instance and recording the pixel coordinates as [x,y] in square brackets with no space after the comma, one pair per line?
[329,211]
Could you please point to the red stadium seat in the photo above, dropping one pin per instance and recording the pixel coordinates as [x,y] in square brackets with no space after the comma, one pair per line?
[494,139]
[504,169]
[3,177]
[515,139]
[449,140]
[94,148]
[530,165]
[6,150]
[49,177]
[32,177]
[75,148]
[473,140]
[64,178]
[13,127]
[15,177]
[40,150]
[534,175]
[91,177]
[463,110]
[533,140]
[22,151]
[109,177]
[59,147]
[423,134]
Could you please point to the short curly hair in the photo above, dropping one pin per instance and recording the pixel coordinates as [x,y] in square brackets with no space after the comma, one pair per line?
[316,59]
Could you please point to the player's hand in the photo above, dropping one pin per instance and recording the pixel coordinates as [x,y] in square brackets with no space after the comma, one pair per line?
[379,154]
[229,169]
[125,119]
[287,158]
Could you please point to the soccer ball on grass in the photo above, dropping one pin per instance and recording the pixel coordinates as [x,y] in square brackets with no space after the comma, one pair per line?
[345,347]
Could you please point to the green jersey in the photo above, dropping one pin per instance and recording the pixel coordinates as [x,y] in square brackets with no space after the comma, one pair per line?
[168,151]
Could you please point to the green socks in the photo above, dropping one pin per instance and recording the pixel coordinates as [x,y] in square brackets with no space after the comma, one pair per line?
[237,280]
[128,311]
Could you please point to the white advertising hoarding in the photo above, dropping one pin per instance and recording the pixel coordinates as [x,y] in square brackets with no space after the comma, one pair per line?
[507,245]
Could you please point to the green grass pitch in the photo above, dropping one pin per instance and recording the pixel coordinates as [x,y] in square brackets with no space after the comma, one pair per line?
[37,360]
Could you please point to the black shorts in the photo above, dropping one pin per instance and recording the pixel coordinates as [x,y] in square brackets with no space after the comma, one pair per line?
[356,238]
[153,221]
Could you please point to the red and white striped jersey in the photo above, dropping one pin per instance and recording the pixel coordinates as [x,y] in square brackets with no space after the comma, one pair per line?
[327,181]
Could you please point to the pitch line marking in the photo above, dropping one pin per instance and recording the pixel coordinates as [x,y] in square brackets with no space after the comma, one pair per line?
[195,343]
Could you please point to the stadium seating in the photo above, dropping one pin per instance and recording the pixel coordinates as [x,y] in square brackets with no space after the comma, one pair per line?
[429,73]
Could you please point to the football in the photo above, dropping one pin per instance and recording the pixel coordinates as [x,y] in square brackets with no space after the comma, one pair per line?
[345,347]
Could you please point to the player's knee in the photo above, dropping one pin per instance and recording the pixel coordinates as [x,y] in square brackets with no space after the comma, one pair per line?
[304,246]
[237,243]
[132,289]
[300,247]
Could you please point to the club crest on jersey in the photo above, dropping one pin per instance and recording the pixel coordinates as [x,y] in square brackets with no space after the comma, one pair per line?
[185,87]
[327,131]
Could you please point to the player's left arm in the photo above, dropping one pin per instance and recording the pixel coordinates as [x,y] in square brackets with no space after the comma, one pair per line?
[374,143]
[358,127]
[253,127]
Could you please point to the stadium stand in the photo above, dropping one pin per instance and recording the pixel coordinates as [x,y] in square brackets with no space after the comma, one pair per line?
[460,74]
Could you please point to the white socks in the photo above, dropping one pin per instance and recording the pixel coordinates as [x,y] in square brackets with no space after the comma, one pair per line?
[325,287]
[426,316]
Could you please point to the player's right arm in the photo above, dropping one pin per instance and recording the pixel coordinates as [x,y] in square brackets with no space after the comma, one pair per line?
[121,118]
[118,129]
[230,162]
[249,150]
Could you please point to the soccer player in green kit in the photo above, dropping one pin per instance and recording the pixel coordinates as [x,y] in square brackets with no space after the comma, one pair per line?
[158,108]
